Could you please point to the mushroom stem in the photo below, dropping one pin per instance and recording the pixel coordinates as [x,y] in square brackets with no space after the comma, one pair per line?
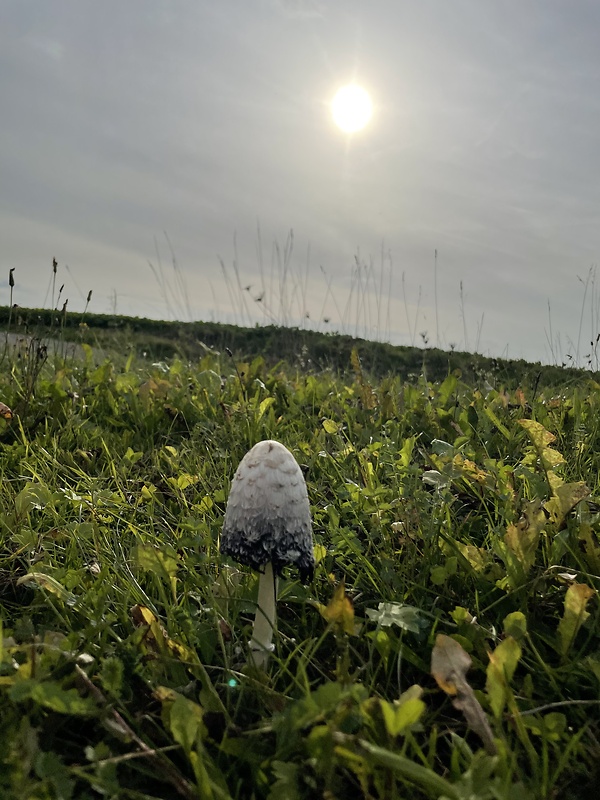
[264,621]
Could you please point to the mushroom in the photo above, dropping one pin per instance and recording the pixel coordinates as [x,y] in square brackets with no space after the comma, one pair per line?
[267,526]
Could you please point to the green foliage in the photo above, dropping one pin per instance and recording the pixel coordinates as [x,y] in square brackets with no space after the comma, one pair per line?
[445,517]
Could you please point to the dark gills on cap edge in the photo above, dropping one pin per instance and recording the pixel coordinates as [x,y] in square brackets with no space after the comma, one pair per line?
[270,540]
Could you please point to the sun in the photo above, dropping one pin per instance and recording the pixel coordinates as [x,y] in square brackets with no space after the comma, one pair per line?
[351,108]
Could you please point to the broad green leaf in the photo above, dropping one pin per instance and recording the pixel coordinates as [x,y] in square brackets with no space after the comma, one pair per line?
[285,786]
[551,726]
[500,670]
[442,448]
[184,480]
[35,496]
[148,492]
[491,415]
[402,713]
[50,584]
[184,719]
[515,625]
[406,617]
[576,599]
[437,575]
[131,456]
[185,722]
[205,504]
[447,388]
[211,381]
[462,615]
[50,694]
[153,559]
[50,768]
[111,675]
[551,458]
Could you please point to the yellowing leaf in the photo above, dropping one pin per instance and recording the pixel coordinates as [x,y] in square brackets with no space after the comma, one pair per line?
[157,637]
[264,407]
[320,551]
[522,539]
[500,670]
[449,666]
[540,439]
[204,505]
[555,481]
[330,426]
[539,436]
[590,546]
[470,470]
[339,610]
[564,499]
[576,599]
[476,556]
[184,480]
[148,492]
[551,458]
[158,387]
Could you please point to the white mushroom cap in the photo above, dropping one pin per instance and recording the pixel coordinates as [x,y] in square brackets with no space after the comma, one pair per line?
[268,514]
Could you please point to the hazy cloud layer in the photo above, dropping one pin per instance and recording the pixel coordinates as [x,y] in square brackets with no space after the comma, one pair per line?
[124,120]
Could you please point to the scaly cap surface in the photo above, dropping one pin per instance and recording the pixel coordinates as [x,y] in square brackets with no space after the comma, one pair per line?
[268,514]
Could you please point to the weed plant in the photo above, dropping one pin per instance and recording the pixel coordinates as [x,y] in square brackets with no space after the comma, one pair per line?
[449,645]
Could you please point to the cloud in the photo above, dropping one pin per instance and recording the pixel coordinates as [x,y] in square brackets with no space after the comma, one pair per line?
[121,121]
[299,9]
[51,48]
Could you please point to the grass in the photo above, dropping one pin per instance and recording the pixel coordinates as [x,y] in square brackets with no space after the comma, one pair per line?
[303,349]
[449,524]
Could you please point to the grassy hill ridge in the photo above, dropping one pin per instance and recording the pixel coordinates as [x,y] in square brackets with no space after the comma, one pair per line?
[304,348]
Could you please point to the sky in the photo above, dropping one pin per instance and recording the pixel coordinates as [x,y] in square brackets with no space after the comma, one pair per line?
[179,158]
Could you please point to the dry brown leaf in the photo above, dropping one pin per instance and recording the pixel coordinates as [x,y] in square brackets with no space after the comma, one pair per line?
[449,666]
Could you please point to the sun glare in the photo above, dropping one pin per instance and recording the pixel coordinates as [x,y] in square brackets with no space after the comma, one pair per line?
[351,108]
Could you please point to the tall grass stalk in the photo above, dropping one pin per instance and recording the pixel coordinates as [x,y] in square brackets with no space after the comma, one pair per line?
[435,292]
